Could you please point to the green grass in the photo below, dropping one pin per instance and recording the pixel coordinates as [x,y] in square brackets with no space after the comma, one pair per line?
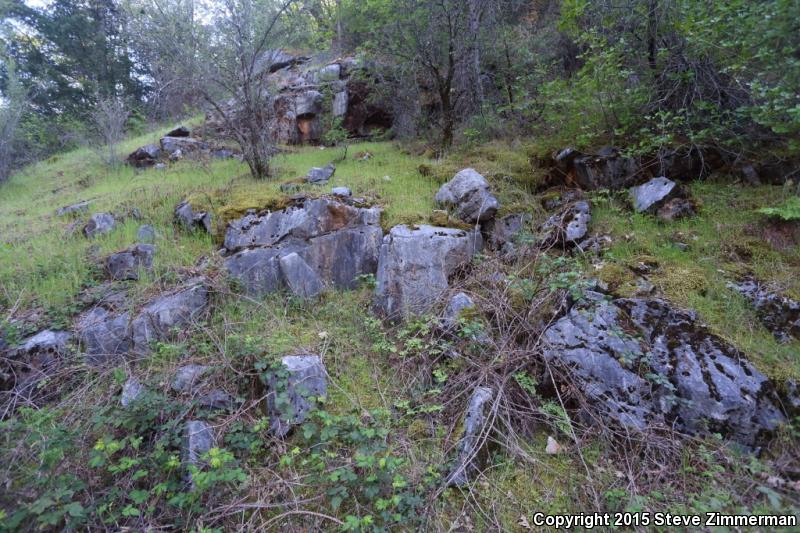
[45,260]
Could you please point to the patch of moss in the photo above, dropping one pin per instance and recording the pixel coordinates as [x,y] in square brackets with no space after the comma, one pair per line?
[679,282]
[443,219]
[239,203]
[620,280]
[418,429]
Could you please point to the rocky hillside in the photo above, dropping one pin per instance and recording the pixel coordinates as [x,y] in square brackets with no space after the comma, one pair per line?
[379,340]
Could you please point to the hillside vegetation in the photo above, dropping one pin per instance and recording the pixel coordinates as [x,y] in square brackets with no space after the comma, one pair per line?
[399,265]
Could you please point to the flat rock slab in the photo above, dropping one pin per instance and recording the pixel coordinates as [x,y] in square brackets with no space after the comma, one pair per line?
[99,224]
[641,362]
[106,336]
[293,391]
[80,207]
[415,266]
[125,265]
[468,192]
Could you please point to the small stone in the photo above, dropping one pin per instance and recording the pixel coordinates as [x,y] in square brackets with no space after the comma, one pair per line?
[343,192]
[99,224]
[217,400]
[146,234]
[198,440]
[131,390]
[553,447]
[457,304]
[652,194]
[682,246]
[319,176]
[53,342]
[187,376]
[126,264]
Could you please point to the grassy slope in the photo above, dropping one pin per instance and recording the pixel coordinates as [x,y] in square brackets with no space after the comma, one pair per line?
[44,266]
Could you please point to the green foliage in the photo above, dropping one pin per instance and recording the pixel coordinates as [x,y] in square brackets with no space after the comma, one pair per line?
[790,210]
[598,102]
[351,461]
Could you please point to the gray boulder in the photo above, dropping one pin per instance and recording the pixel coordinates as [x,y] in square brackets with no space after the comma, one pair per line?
[670,371]
[320,175]
[180,131]
[80,207]
[605,170]
[470,443]
[187,377]
[301,279]
[468,192]
[415,265]
[126,264]
[652,194]
[131,391]
[185,144]
[186,217]
[145,156]
[338,242]
[103,335]
[198,440]
[569,227]
[292,393]
[455,306]
[99,224]
[177,311]
[778,313]
[146,233]
[504,230]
